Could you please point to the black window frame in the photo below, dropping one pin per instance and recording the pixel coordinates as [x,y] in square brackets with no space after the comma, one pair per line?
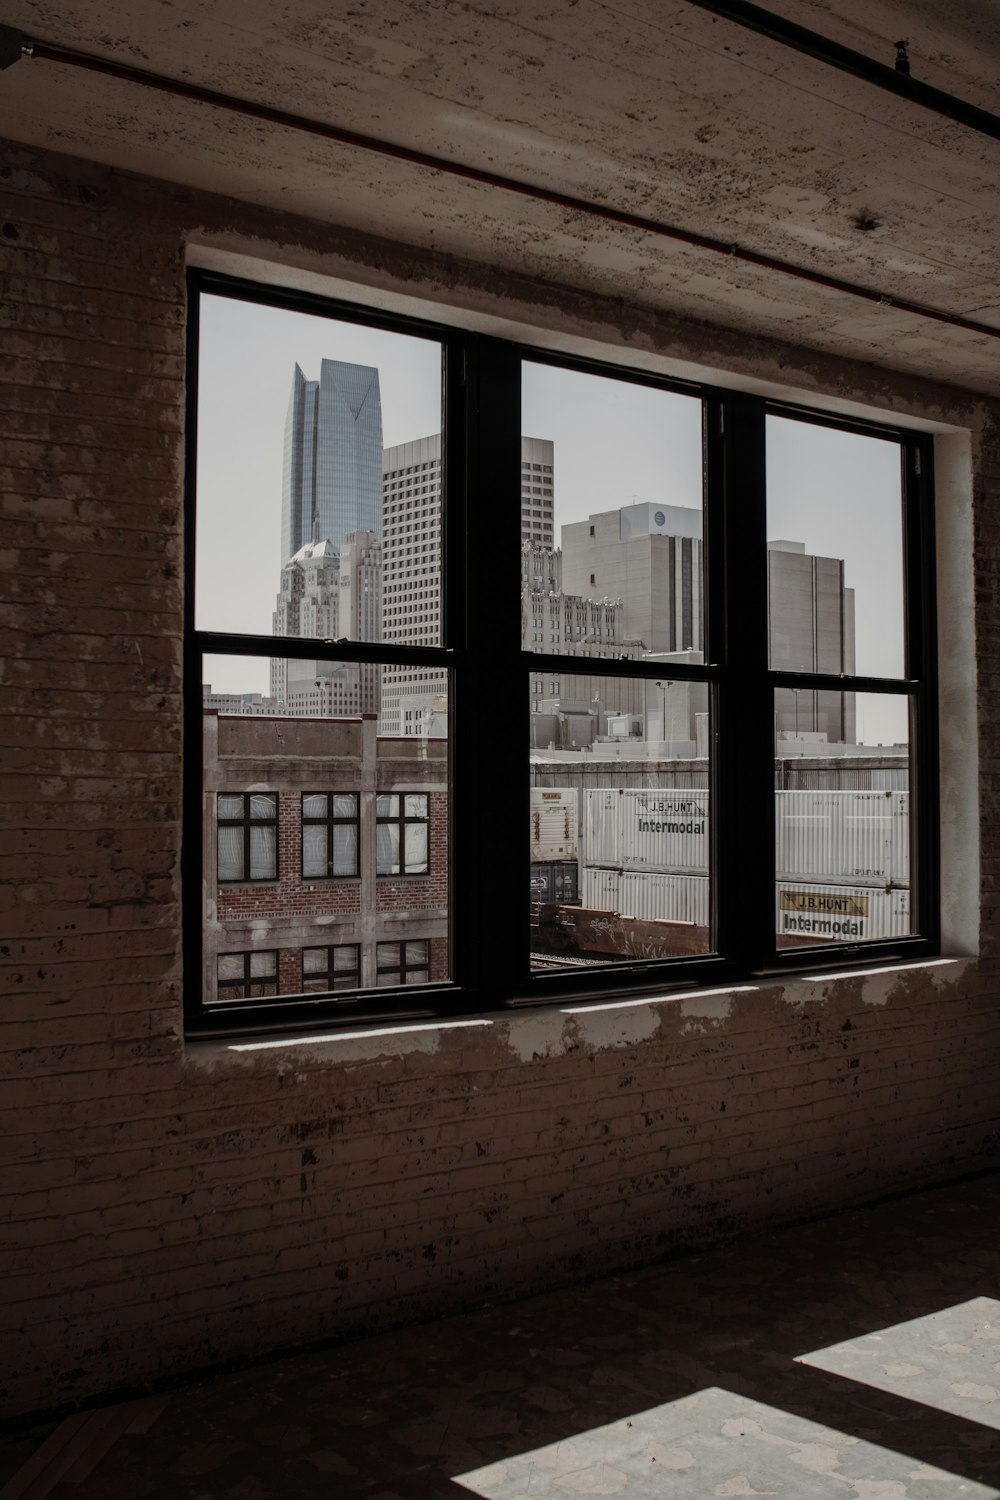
[406,965]
[482,651]
[331,820]
[332,973]
[247,822]
[249,981]
[401,820]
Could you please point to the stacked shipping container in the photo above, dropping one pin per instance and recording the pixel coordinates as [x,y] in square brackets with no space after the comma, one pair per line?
[554,866]
[842,859]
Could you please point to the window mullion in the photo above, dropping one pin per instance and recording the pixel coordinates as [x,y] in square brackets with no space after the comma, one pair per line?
[491,720]
[744,821]
[921,662]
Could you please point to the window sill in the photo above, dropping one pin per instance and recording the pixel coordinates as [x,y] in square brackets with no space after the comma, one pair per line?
[537,1032]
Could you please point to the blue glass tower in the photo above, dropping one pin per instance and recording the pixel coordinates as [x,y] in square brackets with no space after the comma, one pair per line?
[332,481]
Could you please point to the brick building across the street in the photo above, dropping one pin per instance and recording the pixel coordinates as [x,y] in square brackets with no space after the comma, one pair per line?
[364,913]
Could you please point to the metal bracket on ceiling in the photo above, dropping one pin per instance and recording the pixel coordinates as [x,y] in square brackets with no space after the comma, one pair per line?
[13,46]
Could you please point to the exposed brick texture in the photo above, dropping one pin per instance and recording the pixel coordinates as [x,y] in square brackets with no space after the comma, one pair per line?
[170,1207]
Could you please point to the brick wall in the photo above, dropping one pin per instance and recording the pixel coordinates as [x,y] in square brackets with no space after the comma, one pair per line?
[168,1207]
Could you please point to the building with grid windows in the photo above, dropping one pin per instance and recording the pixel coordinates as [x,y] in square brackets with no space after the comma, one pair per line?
[411,605]
[326,857]
[537,492]
[411,581]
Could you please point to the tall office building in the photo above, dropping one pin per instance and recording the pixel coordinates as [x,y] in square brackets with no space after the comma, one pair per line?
[811,629]
[537,487]
[332,478]
[411,582]
[414,697]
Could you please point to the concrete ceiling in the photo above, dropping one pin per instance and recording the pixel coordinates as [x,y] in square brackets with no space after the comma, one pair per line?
[653,106]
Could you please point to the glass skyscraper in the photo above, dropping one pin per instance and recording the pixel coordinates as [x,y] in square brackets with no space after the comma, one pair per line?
[332,481]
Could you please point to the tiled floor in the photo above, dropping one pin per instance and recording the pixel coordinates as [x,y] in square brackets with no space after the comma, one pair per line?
[856,1358]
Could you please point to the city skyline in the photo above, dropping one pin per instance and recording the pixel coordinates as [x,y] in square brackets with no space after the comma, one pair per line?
[616,443]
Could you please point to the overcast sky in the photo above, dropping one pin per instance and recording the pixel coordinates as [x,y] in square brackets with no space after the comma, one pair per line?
[615,444]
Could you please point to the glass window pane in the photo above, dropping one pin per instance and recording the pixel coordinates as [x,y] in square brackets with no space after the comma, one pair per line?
[314,855]
[262,964]
[263,805]
[387,849]
[835,550]
[230,807]
[319,477]
[314,806]
[388,955]
[316,906]
[843,824]
[263,853]
[415,805]
[619,821]
[416,848]
[611,519]
[345,850]
[231,853]
[230,966]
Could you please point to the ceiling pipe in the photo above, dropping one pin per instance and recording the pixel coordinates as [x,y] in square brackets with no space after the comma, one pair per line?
[896,79]
[14,45]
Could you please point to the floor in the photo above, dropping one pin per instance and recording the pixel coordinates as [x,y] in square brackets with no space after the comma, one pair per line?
[855,1358]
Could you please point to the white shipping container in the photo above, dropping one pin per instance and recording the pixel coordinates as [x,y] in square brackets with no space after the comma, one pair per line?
[665,898]
[665,831]
[553,823]
[602,828]
[862,837]
[661,830]
[899,861]
[826,912]
[840,913]
[600,890]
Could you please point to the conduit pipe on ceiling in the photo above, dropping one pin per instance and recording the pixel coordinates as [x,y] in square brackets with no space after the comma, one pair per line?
[835,55]
[14,45]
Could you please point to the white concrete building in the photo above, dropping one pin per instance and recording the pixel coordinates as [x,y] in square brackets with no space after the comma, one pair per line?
[327,595]
[649,557]
[411,604]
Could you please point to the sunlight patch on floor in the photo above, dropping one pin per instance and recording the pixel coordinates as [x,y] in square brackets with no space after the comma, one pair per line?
[716,1443]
